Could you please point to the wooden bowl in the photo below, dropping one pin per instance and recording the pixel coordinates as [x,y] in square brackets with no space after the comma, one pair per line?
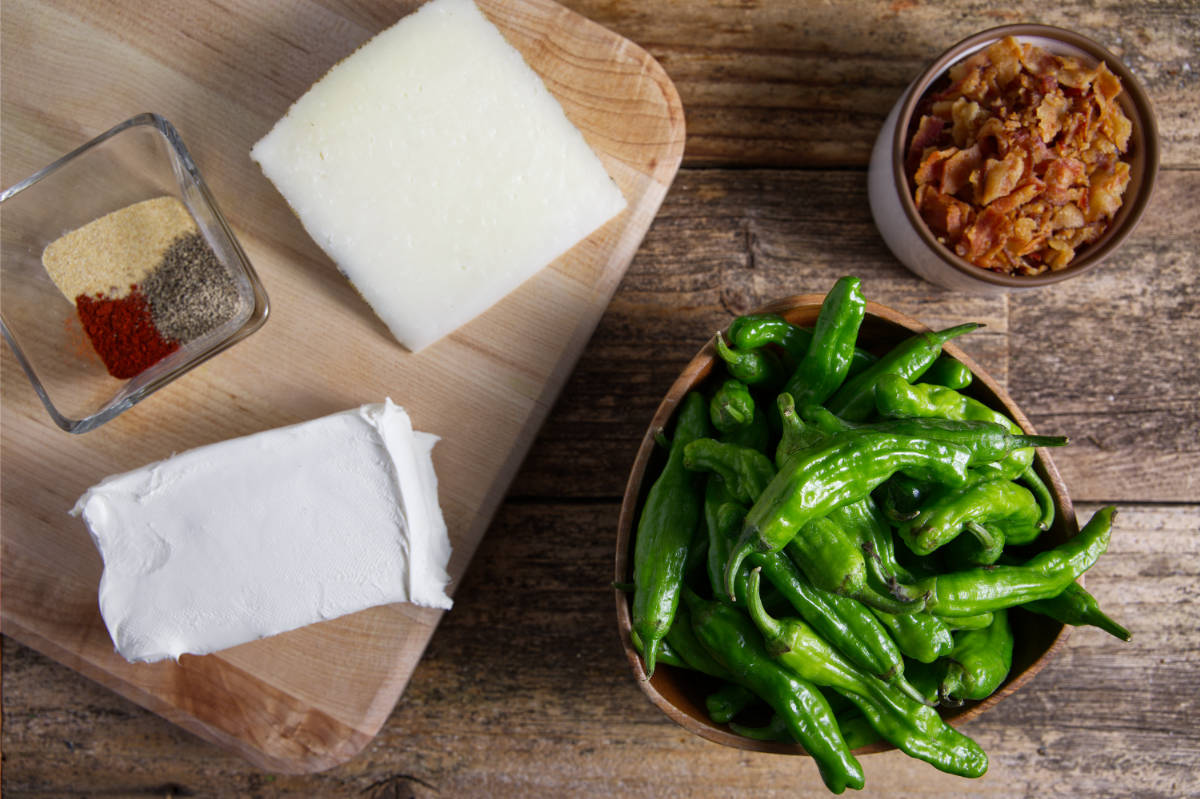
[680,693]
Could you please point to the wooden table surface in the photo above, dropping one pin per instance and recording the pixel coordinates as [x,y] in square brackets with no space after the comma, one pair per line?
[524,690]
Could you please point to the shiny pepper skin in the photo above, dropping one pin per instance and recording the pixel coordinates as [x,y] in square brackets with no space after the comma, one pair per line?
[838,471]
[665,529]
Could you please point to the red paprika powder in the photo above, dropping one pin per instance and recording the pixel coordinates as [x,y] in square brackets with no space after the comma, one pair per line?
[123,333]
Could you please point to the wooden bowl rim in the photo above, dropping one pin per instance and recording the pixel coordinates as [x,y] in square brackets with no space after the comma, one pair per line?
[695,372]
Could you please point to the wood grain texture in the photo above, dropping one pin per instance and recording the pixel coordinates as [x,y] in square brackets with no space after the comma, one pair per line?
[1126,389]
[808,84]
[523,690]
[311,698]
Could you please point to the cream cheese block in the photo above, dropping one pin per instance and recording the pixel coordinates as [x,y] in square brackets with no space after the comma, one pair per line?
[437,171]
[254,536]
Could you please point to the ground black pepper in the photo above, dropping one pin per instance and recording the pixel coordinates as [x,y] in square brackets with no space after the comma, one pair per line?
[190,292]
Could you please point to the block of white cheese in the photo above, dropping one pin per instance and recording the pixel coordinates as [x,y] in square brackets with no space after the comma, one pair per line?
[436,170]
[258,535]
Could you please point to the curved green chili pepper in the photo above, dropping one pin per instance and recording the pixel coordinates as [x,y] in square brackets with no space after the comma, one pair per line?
[855,400]
[732,406]
[753,331]
[752,367]
[1000,505]
[920,636]
[895,397]
[723,517]
[734,641]
[987,441]
[1075,606]
[664,533]
[746,471]
[979,662]
[948,372]
[829,558]
[990,588]
[825,364]
[841,470]
[912,727]
[726,702]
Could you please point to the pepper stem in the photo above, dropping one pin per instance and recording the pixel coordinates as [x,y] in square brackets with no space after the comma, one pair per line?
[733,567]
[1042,493]
[770,627]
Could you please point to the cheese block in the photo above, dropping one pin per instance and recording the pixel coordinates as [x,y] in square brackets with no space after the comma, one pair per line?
[254,536]
[436,170]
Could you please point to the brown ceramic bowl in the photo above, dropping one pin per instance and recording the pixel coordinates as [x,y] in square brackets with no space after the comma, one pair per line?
[680,693]
[891,200]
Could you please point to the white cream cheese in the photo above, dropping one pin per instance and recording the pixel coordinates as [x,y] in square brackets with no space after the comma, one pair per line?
[436,170]
[258,535]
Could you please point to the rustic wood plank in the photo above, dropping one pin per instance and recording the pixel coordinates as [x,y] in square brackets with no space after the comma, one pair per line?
[809,84]
[1124,390]
[524,689]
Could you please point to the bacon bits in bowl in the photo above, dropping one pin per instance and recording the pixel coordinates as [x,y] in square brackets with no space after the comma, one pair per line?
[1022,156]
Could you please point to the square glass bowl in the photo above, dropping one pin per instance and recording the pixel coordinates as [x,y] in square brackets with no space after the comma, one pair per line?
[140,159]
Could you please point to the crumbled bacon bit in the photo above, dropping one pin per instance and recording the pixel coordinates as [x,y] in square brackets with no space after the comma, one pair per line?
[1017,163]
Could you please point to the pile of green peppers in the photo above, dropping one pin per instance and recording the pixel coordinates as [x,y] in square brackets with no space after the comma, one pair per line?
[837,539]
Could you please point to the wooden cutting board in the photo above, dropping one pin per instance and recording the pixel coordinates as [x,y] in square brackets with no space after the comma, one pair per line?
[222,74]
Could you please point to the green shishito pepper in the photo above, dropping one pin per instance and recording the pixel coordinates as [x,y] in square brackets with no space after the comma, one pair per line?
[991,588]
[754,331]
[746,471]
[911,726]
[948,372]
[987,441]
[732,406]
[840,470]
[665,528]
[1001,507]
[723,517]
[827,360]
[895,397]
[979,661]
[1075,606]
[736,644]
[855,400]
[752,367]
[920,636]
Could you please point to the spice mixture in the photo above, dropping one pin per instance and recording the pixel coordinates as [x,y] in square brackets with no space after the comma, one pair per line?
[143,281]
